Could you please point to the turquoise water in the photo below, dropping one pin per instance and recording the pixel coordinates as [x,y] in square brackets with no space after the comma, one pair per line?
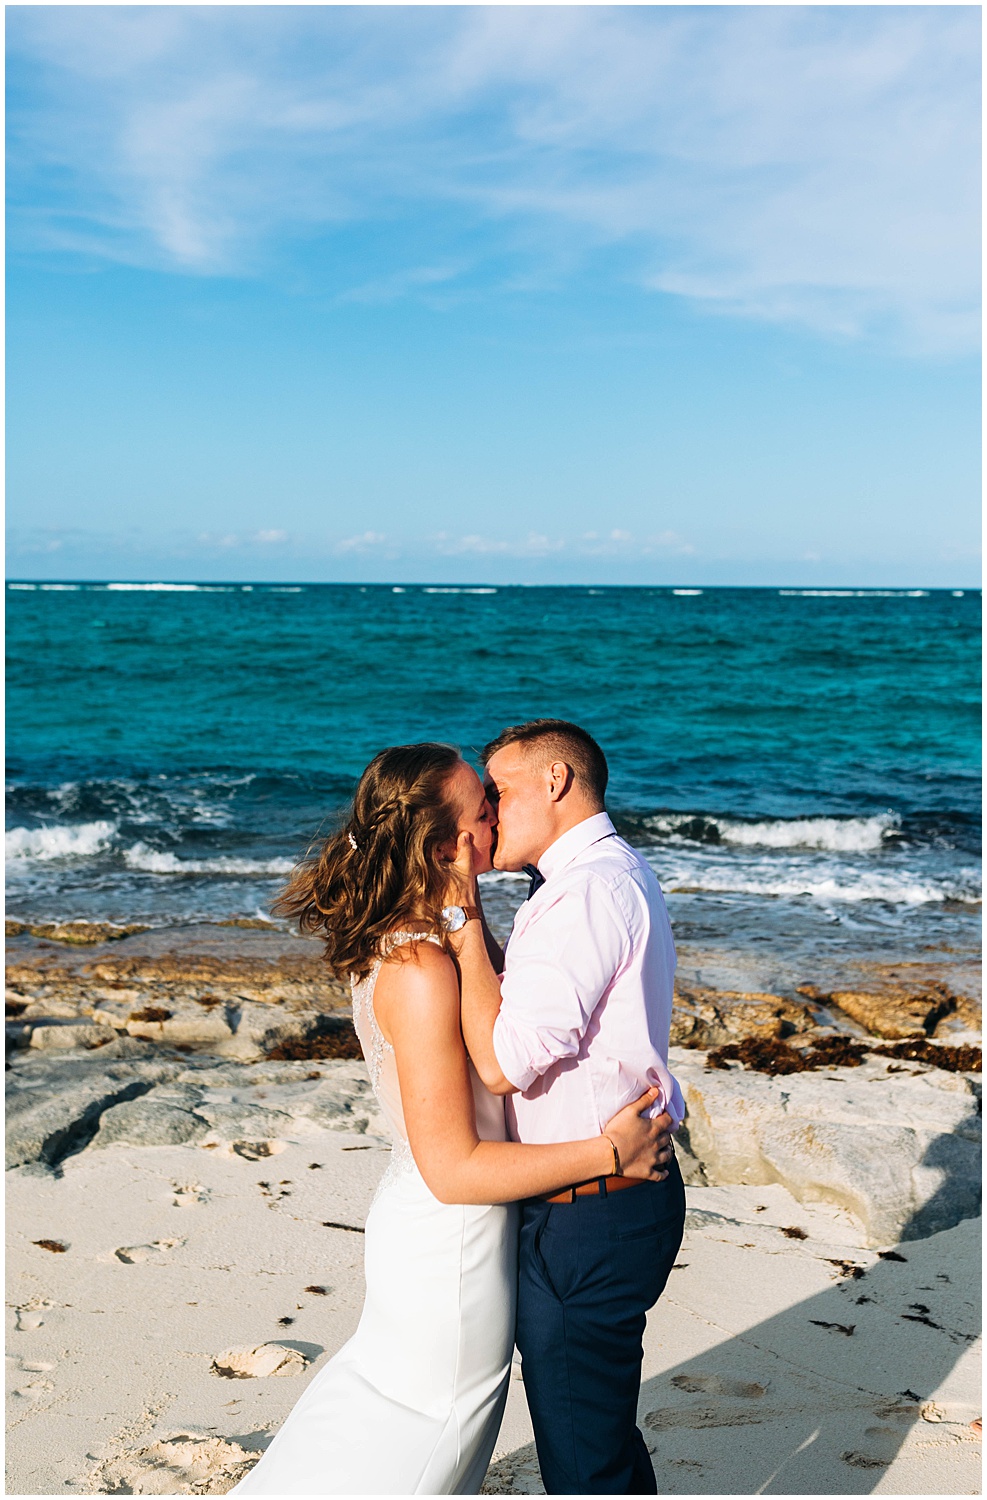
[796,764]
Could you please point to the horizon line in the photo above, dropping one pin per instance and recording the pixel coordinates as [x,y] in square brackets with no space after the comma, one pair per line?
[473,584]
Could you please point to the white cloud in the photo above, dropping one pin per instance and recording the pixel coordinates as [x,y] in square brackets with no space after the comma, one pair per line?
[618,543]
[621,543]
[227,539]
[390,288]
[270,538]
[367,541]
[28,545]
[533,545]
[666,540]
[815,165]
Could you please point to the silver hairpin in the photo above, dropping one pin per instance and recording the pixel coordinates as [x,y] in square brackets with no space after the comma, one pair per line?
[353,842]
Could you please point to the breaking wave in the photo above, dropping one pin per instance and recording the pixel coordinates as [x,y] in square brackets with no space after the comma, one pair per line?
[160,862]
[845,835]
[840,835]
[872,885]
[59,841]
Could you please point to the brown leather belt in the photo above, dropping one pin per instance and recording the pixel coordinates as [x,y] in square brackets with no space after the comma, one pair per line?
[600,1187]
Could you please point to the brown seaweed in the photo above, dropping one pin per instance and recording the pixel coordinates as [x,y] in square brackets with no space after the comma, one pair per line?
[776,1057]
[340,1042]
[951,1059]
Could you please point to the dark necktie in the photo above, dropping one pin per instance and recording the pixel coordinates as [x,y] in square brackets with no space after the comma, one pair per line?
[537,879]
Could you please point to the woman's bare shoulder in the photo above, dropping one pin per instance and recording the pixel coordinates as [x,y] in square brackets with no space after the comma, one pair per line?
[419,972]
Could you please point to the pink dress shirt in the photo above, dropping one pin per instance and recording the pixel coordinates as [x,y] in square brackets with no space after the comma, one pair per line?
[587,990]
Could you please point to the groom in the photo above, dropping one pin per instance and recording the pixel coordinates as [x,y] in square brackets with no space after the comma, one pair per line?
[573,1028]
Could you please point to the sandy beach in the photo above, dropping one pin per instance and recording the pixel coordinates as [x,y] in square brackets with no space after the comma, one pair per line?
[187,1192]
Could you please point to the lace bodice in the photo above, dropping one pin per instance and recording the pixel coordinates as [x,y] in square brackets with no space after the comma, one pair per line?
[377,1050]
[382,1066]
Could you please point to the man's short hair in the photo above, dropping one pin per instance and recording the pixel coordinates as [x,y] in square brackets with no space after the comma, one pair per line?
[559,740]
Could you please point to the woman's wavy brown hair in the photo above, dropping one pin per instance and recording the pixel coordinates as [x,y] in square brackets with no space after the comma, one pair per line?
[381,869]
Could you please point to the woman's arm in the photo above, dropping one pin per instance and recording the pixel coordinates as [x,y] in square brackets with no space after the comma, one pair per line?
[417,1006]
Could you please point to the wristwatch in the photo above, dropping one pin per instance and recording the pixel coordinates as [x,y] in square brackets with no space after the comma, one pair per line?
[455,917]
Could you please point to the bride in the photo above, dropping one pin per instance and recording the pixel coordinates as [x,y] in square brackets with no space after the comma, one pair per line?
[412,1404]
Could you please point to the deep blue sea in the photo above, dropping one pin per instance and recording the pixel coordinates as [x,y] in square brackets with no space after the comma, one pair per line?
[802,767]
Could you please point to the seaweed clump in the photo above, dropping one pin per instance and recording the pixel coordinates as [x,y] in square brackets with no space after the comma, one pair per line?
[952,1059]
[773,1056]
[341,1043]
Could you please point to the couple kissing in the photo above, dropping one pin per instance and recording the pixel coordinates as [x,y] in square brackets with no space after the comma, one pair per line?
[532,1195]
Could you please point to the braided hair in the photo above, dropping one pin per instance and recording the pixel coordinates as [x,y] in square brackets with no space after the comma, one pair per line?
[381,868]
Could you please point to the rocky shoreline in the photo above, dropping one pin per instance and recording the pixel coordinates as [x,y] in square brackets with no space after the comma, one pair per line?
[234,1038]
[239,988]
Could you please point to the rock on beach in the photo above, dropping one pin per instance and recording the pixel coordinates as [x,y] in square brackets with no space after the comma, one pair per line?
[897,1148]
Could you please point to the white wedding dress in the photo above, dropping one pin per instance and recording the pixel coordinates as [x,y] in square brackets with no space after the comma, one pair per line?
[413,1403]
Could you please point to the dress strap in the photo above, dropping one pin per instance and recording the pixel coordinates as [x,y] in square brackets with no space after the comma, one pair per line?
[398,939]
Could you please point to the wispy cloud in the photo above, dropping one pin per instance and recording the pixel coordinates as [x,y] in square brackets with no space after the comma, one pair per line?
[417,279]
[615,543]
[477,545]
[620,543]
[367,541]
[815,165]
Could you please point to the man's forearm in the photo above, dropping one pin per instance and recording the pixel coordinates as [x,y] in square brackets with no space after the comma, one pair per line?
[480,1004]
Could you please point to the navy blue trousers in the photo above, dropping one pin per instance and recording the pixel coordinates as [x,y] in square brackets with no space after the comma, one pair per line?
[589,1271]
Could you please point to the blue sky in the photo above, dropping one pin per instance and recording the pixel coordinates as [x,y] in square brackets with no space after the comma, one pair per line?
[517,294]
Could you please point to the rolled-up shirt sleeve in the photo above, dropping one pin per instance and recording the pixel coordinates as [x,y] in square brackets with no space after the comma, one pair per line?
[558,968]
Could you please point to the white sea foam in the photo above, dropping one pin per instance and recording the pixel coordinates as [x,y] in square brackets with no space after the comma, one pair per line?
[855,593]
[160,862]
[686,591]
[59,840]
[172,588]
[902,889]
[845,835]
[841,835]
[61,588]
[434,589]
[22,585]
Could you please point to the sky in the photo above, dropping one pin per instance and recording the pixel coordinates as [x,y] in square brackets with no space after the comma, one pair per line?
[562,294]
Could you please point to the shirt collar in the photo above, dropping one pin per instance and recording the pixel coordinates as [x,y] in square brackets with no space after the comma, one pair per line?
[573,842]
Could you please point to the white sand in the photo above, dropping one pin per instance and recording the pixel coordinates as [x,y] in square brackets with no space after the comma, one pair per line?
[743,1392]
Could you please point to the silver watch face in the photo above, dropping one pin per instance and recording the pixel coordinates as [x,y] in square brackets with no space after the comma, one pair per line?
[453,917]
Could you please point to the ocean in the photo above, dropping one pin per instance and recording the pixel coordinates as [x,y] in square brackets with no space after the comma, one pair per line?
[800,766]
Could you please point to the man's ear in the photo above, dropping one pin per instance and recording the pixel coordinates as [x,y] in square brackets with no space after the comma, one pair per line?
[559,779]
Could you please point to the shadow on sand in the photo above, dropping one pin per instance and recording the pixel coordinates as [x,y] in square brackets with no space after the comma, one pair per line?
[819,1398]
